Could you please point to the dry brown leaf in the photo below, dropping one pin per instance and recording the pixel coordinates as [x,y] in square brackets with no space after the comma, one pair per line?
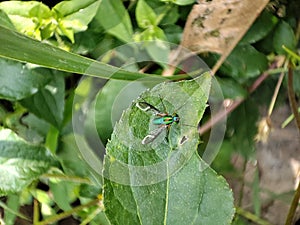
[218,25]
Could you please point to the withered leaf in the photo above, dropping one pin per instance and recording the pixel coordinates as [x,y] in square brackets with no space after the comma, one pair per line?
[217,26]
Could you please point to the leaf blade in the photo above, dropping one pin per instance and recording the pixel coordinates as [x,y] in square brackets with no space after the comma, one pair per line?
[146,183]
[21,48]
[21,162]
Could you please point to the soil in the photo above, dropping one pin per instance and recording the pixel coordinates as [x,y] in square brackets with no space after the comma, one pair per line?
[278,164]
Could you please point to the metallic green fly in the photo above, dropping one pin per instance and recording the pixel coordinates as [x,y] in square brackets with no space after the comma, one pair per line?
[163,120]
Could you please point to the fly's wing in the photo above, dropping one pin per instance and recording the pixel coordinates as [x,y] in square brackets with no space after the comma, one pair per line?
[144,106]
[153,135]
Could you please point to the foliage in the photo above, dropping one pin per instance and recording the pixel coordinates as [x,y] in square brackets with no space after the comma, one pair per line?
[54,128]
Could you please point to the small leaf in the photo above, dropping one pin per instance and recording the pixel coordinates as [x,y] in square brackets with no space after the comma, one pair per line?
[28,17]
[74,164]
[284,35]
[165,181]
[173,33]
[63,193]
[74,16]
[18,81]
[21,162]
[244,62]
[26,9]
[231,89]
[145,15]
[260,28]
[114,18]
[5,21]
[48,103]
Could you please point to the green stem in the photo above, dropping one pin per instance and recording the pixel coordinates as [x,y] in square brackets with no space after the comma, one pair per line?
[67,178]
[276,91]
[36,212]
[65,214]
[280,70]
[250,216]
[292,98]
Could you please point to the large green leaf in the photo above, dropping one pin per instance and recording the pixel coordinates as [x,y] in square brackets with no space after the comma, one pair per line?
[114,18]
[19,47]
[165,181]
[21,162]
[18,81]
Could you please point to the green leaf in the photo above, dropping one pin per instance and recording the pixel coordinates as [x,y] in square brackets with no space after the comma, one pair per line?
[21,162]
[114,18]
[74,16]
[72,161]
[5,21]
[29,17]
[63,193]
[168,13]
[26,9]
[173,33]
[244,62]
[261,27]
[222,162]
[72,8]
[284,35]
[145,15]
[37,129]
[19,47]
[244,129]
[165,181]
[13,205]
[48,103]
[231,89]
[18,81]
[296,82]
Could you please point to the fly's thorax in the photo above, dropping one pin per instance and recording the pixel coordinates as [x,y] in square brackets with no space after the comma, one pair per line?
[166,120]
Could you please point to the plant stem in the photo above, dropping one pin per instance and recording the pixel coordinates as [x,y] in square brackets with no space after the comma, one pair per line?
[223,113]
[67,178]
[250,216]
[276,91]
[65,214]
[36,212]
[293,105]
